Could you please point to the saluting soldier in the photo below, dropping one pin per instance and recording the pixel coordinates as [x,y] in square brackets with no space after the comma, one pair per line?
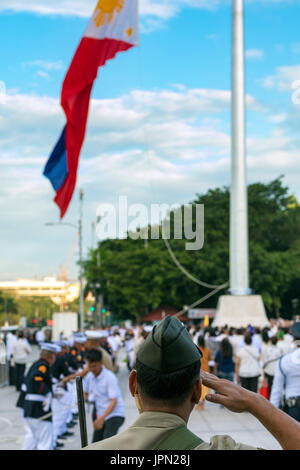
[167,385]
[35,399]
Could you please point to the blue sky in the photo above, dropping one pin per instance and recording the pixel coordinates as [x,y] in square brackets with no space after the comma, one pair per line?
[160,109]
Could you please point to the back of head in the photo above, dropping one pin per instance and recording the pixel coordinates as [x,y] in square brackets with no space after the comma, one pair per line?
[295,331]
[201,341]
[265,336]
[248,339]
[274,340]
[226,348]
[168,364]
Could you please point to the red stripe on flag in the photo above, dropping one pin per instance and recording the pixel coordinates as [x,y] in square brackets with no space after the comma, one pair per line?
[75,97]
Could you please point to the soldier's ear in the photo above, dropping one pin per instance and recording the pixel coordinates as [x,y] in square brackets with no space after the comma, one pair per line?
[196,395]
[133,383]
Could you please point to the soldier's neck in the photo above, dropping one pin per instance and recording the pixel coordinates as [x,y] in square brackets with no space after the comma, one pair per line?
[183,412]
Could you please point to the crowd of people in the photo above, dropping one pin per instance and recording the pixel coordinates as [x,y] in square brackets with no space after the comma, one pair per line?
[253,358]
[248,357]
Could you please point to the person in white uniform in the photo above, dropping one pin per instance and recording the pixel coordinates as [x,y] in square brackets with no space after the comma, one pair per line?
[104,386]
[287,377]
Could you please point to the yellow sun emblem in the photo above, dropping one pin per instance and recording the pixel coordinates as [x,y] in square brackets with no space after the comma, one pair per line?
[107,8]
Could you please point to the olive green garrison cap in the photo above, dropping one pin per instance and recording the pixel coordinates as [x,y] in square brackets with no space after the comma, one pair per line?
[169,347]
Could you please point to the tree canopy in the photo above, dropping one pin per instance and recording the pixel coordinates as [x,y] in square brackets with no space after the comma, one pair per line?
[136,277]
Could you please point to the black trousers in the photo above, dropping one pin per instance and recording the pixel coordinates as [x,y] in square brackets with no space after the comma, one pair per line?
[250,383]
[270,379]
[110,428]
[294,412]
[19,375]
[12,374]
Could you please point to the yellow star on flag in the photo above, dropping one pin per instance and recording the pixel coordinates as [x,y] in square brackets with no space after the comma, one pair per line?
[129,32]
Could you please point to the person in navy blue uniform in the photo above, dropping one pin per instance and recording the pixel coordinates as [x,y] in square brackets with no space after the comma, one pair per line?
[35,399]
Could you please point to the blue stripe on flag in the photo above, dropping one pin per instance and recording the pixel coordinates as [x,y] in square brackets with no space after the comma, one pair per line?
[56,169]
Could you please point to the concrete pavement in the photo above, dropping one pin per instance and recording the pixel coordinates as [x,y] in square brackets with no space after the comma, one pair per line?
[213,420]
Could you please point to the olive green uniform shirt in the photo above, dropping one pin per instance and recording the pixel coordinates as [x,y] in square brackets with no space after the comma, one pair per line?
[151,427]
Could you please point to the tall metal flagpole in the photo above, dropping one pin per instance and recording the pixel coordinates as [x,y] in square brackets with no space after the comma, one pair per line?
[239,258]
[240,308]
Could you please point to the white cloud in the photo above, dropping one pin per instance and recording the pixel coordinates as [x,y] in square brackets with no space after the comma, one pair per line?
[44,65]
[163,9]
[153,146]
[278,118]
[283,78]
[254,54]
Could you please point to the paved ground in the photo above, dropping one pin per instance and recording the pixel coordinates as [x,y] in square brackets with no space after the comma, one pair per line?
[213,420]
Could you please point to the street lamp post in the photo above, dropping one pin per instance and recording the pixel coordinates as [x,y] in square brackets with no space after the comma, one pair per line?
[81,298]
[79,229]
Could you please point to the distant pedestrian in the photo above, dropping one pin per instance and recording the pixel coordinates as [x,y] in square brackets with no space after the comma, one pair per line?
[247,367]
[21,351]
[287,378]
[206,358]
[224,365]
[213,344]
[39,336]
[11,339]
[271,355]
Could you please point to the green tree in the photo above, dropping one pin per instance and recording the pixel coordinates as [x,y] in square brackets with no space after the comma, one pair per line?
[135,278]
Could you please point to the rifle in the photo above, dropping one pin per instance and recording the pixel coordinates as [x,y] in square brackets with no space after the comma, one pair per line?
[81,412]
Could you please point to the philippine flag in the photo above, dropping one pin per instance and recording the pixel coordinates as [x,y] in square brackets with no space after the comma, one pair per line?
[113,28]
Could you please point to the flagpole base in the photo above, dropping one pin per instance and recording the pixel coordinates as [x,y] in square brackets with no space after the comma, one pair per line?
[239,311]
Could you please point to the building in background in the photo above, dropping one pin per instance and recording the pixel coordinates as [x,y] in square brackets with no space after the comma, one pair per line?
[60,292]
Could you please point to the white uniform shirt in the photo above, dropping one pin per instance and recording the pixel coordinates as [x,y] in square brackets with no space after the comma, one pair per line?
[104,388]
[256,343]
[113,343]
[271,354]
[285,346]
[10,341]
[21,349]
[249,365]
[290,365]
[86,385]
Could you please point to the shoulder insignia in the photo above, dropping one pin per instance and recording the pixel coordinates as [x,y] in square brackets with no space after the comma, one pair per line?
[38,379]
[43,369]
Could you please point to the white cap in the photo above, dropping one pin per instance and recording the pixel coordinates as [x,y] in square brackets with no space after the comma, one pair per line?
[79,338]
[50,347]
[62,343]
[96,334]
[148,328]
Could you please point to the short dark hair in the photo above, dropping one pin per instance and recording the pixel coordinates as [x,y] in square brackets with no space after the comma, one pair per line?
[170,388]
[274,340]
[201,341]
[94,355]
[248,339]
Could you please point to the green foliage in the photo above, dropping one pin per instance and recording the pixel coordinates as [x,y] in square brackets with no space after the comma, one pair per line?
[13,308]
[136,278]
